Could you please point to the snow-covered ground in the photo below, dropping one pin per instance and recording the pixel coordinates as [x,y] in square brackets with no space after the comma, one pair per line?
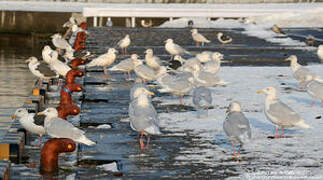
[260,26]
[301,154]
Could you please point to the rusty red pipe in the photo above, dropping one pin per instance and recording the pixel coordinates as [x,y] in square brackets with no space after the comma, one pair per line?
[76,62]
[66,93]
[71,74]
[67,109]
[80,41]
[50,151]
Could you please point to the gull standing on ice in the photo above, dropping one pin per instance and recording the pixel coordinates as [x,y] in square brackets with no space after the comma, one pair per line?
[314,88]
[104,60]
[59,128]
[236,126]
[213,66]
[143,116]
[279,113]
[151,60]
[46,54]
[29,122]
[124,43]
[146,73]
[202,98]
[224,39]
[174,49]
[199,38]
[206,79]
[299,71]
[125,66]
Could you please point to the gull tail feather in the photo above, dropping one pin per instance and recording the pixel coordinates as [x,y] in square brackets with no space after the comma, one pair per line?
[86,141]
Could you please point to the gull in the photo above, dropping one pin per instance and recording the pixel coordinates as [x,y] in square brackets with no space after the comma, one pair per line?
[40,69]
[176,63]
[46,54]
[60,43]
[70,22]
[58,128]
[174,49]
[202,98]
[206,79]
[146,73]
[125,66]
[30,122]
[176,86]
[279,113]
[213,66]
[236,126]
[224,39]
[143,116]
[199,38]
[151,60]
[58,66]
[104,60]
[124,43]
[300,72]
[314,88]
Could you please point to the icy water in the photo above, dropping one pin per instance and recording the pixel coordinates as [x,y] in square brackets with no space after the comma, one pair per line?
[15,81]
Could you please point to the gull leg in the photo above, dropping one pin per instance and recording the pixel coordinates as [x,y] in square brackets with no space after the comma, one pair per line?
[141,140]
[148,140]
[39,141]
[181,99]
[125,51]
[207,111]
[125,76]
[234,152]
[198,113]
[106,74]
[171,58]
[282,132]
[239,149]
[276,136]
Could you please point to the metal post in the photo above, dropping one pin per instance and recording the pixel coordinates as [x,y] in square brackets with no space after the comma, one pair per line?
[95,21]
[133,22]
[100,21]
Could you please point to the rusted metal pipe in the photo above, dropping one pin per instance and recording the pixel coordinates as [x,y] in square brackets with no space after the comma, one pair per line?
[67,109]
[76,62]
[50,151]
[80,41]
[66,93]
[71,74]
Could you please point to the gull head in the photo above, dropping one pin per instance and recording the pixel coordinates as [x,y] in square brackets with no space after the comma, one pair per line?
[169,41]
[219,34]
[127,36]
[19,113]
[291,58]
[217,56]
[49,112]
[194,31]
[74,28]
[142,91]
[234,107]
[47,48]
[32,60]
[270,91]
[149,51]
[134,56]
[112,51]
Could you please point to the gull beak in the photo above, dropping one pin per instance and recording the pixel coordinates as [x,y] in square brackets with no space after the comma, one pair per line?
[13,117]
[41,113]
[165,41]
[260,92]
[151,93]
[287,59]
[27,60]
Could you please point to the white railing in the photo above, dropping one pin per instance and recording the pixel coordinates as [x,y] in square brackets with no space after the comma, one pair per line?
[192,10]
